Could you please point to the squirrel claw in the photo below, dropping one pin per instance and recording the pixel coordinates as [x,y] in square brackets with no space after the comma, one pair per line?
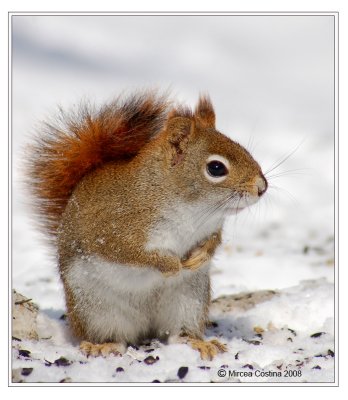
[202,253]
[196,260]
[208,349]
[103,349]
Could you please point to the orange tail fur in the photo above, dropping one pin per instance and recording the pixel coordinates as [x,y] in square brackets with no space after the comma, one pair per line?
[65,152]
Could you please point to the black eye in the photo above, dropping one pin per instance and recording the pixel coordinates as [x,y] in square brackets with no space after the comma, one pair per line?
[217,168]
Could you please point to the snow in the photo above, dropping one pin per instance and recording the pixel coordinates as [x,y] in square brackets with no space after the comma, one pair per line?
[272,95]
[288,322]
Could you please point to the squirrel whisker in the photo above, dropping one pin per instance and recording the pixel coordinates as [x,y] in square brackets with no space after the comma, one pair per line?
[284,158]
[290,195]
[289,173]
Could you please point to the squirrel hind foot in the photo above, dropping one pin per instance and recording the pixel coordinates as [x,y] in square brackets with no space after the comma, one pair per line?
[207,349]
[102,349]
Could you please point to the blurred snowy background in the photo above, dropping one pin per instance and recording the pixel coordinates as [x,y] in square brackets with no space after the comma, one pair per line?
[271,80]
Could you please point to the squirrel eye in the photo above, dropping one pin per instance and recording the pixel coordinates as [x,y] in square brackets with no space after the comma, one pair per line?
[217,168]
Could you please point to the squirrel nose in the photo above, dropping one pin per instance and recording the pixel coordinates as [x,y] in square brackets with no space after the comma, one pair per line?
[261,184]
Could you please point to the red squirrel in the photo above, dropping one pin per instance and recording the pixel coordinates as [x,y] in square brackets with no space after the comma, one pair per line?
[134,196]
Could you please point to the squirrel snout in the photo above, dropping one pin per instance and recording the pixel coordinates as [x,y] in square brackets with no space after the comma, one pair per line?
[261,184]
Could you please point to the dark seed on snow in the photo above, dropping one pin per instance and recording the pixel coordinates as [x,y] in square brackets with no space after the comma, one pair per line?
[149,350]
[292,331]
[330,353]
[24,353]
[248,366]
[236,356]
[156,381]
[26,371]
[182,372]
[150,360]
[289,339]
[62,362]
[119,369]
[214,324]
[318,334]
[319,355]
[204,367]
[224,366]
[65,380]
[16,338]
[254,342]
[317,367]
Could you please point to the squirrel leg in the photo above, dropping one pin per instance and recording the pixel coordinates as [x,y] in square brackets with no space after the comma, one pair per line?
[168,265]
[102,349]
[203,253]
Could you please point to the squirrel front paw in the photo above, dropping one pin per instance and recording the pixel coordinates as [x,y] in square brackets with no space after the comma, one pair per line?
[202,253]
[197,258]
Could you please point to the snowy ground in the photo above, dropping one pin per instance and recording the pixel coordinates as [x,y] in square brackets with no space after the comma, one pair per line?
[270,94]
[292,331]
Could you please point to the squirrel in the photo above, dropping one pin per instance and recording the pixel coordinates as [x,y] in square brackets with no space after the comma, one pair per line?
[134,195]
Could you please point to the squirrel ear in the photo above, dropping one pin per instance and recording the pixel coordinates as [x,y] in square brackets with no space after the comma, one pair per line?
[179,130]
[204,113]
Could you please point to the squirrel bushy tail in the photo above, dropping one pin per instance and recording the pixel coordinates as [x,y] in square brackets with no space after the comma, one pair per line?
[63,153]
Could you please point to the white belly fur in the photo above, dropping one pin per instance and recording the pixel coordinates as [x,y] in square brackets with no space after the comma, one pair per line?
[126,304]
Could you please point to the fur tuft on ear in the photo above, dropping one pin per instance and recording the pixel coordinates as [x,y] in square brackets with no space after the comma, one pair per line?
[204,112]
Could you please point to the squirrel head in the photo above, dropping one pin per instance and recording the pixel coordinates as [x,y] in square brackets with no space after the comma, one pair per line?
[207,165]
